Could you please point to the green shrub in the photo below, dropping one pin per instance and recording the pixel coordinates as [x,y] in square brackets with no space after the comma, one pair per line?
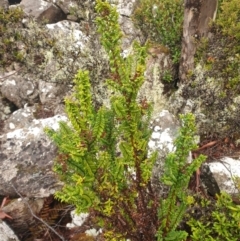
[229,22]
[103,155]
[10,21]
[229,18]
[177,174]
[161,21]
[167,76]
[223,225]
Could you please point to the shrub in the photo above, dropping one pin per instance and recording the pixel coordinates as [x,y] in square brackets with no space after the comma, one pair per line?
[161,21]
[223,224]
[103,155]
[229,18]
[9,36]
[177,174]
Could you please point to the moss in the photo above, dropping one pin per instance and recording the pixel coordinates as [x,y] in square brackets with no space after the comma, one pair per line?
[10,21]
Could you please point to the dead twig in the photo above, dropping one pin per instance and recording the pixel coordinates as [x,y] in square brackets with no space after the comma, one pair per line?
[4,77]
[35,216]
[209,144]
[195,155]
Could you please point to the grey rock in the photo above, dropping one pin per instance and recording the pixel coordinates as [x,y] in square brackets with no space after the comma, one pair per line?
[165,129]
[131,33]
[51,94]
[19,119]
[125,7]
[74,45]
[6,234]
[42,10]
[26,160]
[20,90]
[153,89]
[226,171]
[68,6]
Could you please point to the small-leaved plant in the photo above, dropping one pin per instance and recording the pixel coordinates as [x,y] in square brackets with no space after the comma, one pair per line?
[223,224]
[161,21]
[177,175]
[103,157]
[228,18]
[10,21]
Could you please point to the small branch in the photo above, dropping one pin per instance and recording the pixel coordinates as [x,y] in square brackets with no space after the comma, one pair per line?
[35,216]
[209,144]
[4,77]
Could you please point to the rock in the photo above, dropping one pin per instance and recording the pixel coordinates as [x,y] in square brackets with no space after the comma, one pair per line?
[51,94]
[208,181]
[67,5]
[72,50]
[78,10]
[227,174]
[78,221]
[19,119]
[42,10]
[4,4]
[21,211]
[153,89]
[130,32]
[44,81]
[125,7]
[27,158]
[6,234]
[20,90]
[165,128]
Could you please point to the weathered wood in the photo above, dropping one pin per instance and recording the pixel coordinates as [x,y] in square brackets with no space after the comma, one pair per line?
[197,15]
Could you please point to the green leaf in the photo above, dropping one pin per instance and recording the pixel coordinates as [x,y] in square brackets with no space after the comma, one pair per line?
[99,124]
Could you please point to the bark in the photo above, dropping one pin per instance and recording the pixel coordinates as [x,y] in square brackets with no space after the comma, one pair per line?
[197,16]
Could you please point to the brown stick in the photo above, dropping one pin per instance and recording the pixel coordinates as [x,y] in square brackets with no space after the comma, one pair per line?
[35,216]
[209,144]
